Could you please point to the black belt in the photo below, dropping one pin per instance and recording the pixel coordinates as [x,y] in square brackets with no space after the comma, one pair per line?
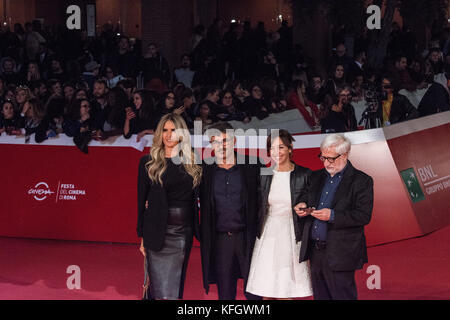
[319,245]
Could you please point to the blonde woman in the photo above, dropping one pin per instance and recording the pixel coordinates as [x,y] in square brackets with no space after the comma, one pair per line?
[167,207]
[23,94]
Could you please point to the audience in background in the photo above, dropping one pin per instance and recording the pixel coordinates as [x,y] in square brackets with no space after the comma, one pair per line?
[231,74]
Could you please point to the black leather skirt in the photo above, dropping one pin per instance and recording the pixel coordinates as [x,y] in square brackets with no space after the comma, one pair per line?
[167,267]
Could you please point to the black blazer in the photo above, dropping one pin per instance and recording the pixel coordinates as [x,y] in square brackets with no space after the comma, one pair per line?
[250,174]
[299,179]
[401,110]
[352,204]
[152,222]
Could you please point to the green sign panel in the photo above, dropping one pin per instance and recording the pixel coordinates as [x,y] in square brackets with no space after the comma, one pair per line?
[412,185]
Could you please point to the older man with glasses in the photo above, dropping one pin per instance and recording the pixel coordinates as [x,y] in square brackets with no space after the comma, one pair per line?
[333,211]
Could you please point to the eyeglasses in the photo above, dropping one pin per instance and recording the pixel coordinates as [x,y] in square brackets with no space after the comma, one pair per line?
[329,159]
[345,95]
[222,142]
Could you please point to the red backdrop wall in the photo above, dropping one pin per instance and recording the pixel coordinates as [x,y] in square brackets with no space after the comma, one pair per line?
[57,192]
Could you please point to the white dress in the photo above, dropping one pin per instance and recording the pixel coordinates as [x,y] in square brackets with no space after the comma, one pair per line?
[275,271]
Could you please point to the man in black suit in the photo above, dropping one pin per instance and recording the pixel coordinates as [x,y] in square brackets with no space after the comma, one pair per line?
[333,234]
[228,213]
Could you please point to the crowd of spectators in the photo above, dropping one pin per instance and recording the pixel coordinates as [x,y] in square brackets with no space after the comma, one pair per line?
[57,81]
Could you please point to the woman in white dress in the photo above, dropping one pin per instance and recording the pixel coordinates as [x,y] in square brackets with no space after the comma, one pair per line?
[275,271]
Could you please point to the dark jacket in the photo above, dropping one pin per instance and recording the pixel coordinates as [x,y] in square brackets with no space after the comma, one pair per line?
[152,222]
[344,121]
[401,110]
[435,100]
[352,204]
[253,108]
[139,124]
[208,220]
[298,181]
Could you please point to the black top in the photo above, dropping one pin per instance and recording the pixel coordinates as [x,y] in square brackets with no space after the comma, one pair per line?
[334,122]
[139,124]
[340,121]
[228,199]
[435,100]
[152,221]
[12,124]
[253,108]
[178,185]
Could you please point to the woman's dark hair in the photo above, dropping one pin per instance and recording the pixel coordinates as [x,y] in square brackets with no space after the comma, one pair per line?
[224,92]
[252,86]
[208,103]
[269,88]
[285,137]
[74,113]
[162,101]
[210,89]
[148,108]
[333,72]
[119,101]
[178,89]
[187,93]
[5,102]
[232,85]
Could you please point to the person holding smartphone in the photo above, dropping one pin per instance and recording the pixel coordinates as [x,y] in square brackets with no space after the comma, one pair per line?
[275,271]
[140,117]
[333,234]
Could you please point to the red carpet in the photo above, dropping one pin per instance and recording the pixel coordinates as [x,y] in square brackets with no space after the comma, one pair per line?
[36,269]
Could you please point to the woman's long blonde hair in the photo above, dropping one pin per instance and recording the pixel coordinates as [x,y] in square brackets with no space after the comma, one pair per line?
[157,164]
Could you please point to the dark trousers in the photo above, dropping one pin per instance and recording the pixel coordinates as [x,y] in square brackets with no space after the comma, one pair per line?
[230,261]
[328,284]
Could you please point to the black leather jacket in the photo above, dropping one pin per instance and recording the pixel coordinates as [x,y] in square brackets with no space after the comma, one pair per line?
[299,180]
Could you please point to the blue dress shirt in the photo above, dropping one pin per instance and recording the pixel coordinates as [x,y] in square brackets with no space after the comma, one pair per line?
[319,227]
[228,199]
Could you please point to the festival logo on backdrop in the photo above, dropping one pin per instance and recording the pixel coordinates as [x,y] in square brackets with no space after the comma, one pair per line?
[65,192]
[41,191]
